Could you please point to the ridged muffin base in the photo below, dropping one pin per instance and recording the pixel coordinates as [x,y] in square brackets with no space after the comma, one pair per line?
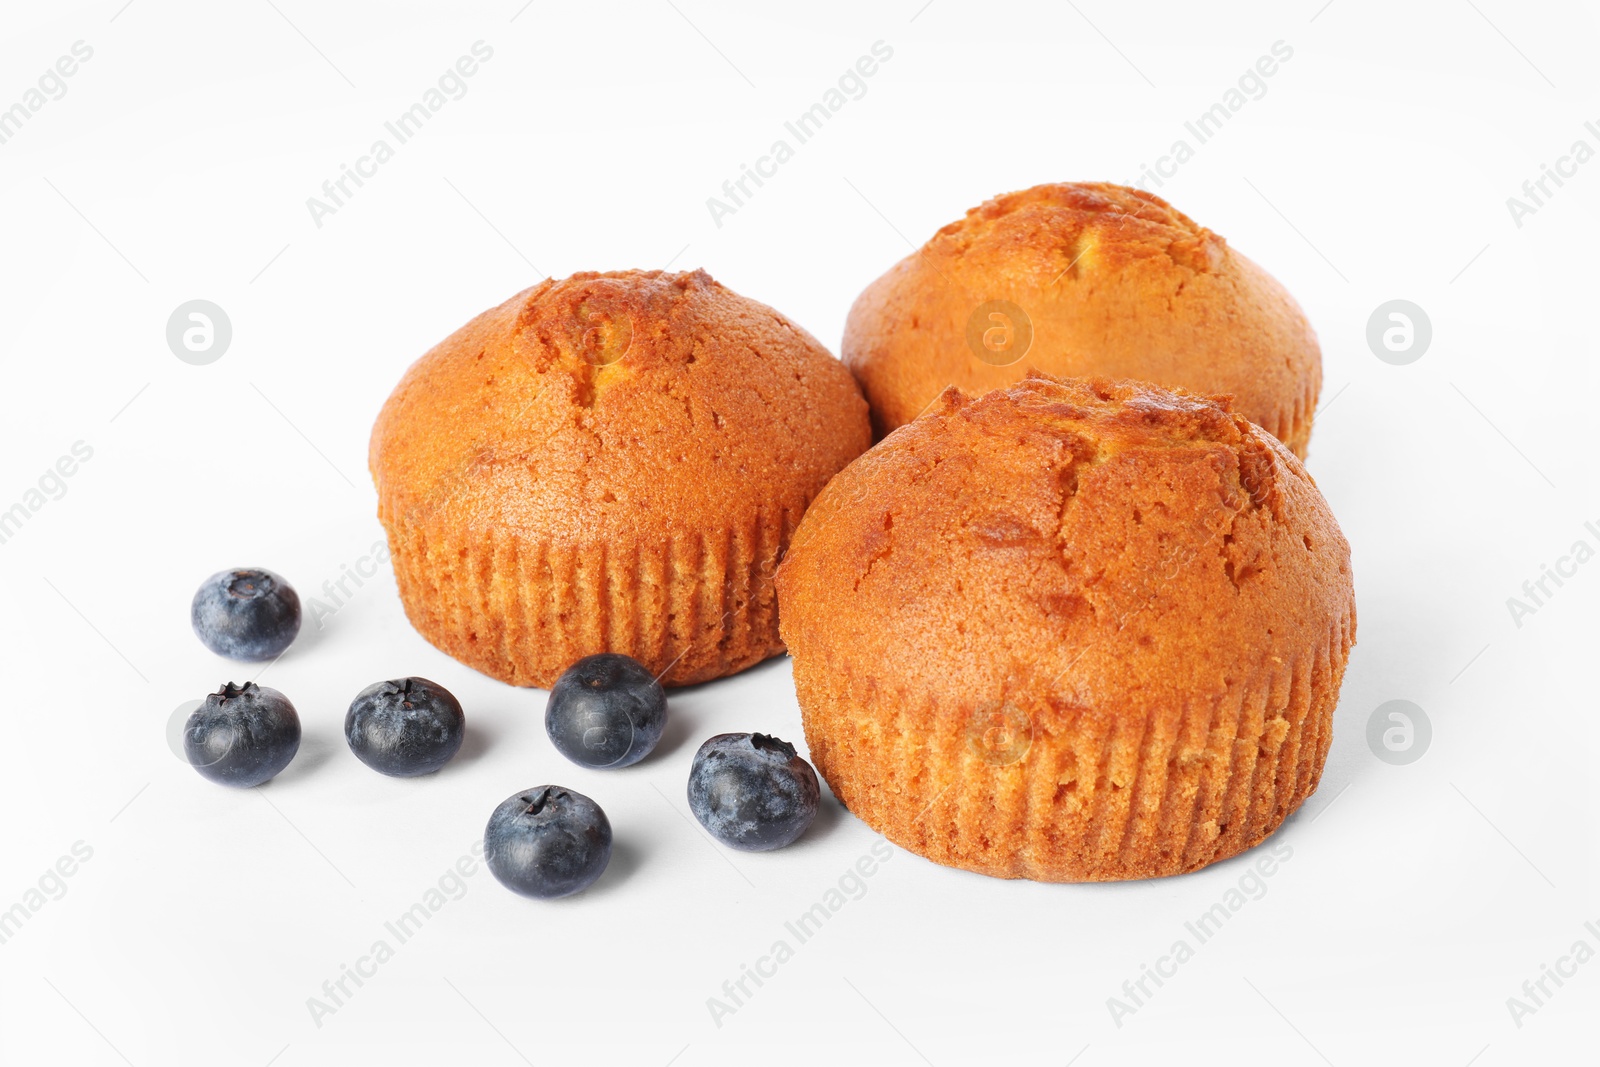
[1083,797]
[690,606]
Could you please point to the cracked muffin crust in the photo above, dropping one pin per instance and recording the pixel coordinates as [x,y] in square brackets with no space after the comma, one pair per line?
[609,463]
[1114,282]
[1073,630]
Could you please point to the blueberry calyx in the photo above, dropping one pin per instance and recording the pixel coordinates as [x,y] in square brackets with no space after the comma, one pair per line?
[250,585]
[773,747]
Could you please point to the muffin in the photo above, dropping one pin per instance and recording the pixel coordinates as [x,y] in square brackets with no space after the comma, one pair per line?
[609,463]
[1083,279]
[1073,630]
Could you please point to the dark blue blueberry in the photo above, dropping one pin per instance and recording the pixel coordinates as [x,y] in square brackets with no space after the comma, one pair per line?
[547,842]
[406,727]
[247,613]
[606,711]
[752,791]
[242,735]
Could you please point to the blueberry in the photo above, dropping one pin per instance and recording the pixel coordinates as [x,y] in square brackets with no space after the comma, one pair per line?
[606,711]
[242,735]
[547,842]
[406,727]
[247,613]
[752,792]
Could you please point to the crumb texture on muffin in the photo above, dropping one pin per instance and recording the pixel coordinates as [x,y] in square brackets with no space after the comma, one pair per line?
[609,463]
[1073,630]
[1114,282]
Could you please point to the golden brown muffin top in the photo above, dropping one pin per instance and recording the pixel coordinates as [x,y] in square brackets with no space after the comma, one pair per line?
[1071,546]
[1082,228]
[1093,279]
[631,403]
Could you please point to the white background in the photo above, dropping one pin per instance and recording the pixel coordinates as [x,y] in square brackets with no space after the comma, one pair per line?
[177,166]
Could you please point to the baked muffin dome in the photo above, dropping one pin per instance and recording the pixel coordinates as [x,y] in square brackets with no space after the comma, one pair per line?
[1073,630]
[609,463]
[1114,281]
